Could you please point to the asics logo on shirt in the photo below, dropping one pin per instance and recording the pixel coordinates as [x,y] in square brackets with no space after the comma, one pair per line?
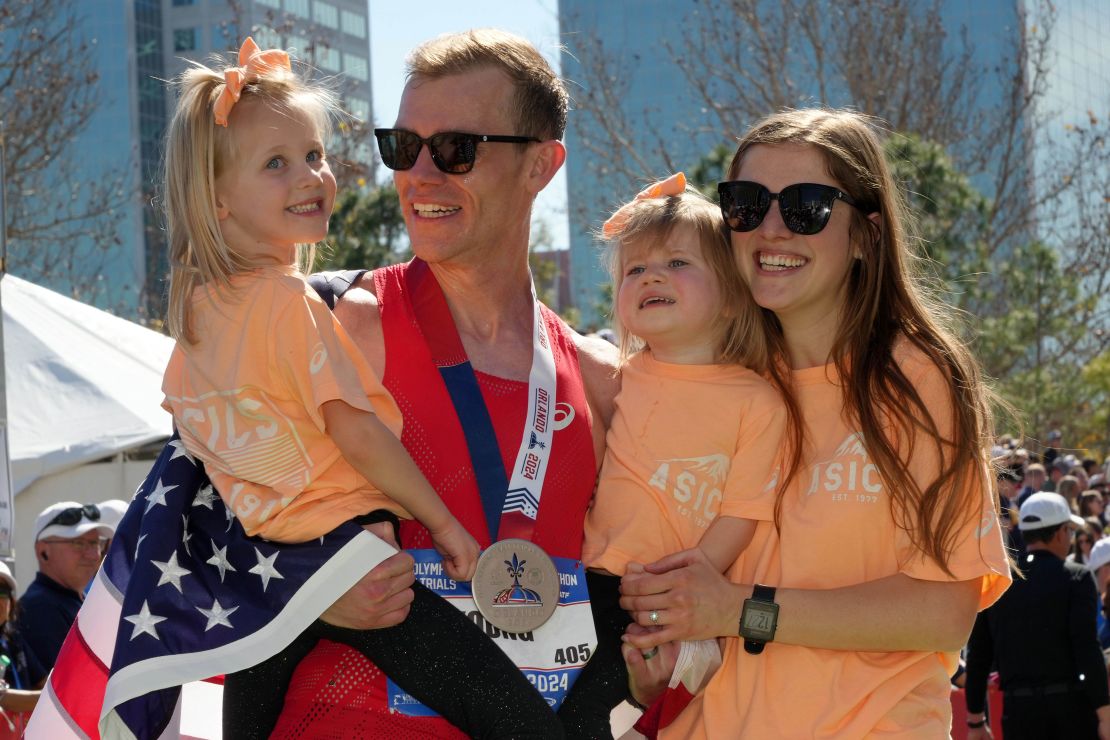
[564,415]
[850,476]
[694,483]
[319,358]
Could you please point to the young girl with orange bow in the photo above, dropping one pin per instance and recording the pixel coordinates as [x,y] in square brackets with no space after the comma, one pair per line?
[266,388]
[692,446]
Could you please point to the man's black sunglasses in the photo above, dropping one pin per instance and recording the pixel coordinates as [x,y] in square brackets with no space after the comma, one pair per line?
[805,207]
[453,152]
[72,515]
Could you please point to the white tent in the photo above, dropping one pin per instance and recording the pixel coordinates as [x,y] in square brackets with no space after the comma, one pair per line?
[82,384]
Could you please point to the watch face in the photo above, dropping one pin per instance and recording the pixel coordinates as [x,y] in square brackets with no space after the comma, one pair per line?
[758,621]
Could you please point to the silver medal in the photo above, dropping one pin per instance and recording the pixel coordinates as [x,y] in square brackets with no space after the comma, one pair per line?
[516,585]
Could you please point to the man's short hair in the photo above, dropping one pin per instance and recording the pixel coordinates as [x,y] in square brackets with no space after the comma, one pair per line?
[1032,468]
[1044,534]
[541,98]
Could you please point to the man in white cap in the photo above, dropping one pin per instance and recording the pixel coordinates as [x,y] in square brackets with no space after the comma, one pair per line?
[69,542]
[1042,636]
[1098,562]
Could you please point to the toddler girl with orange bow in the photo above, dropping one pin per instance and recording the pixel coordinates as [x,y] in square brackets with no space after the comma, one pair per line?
[266,388]
[691,450]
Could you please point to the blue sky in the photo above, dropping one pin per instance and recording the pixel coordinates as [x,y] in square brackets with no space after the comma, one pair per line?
[396,27]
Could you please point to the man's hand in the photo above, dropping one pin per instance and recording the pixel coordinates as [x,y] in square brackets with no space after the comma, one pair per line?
[382,597]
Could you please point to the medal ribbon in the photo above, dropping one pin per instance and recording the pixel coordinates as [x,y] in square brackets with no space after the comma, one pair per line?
[510,506]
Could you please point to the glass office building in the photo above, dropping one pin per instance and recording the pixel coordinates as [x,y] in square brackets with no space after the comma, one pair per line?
[138,45]
[657,103]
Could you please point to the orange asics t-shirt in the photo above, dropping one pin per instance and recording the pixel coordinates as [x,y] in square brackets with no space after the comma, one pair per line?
[686,443]
[838,530]
[246,400]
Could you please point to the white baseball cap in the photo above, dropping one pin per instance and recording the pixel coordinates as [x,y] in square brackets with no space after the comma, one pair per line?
[112,511]
[7,577]
[1045,510]
[69,520]
[1100,554]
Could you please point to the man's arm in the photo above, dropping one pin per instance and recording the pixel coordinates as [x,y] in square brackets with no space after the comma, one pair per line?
[980,653]
[597,360]
[1083,636]
[357,310]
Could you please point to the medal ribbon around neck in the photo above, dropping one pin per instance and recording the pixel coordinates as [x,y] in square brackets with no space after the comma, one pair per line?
[511,506]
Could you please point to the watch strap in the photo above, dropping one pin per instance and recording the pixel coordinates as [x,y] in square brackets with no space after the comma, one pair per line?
[763,593]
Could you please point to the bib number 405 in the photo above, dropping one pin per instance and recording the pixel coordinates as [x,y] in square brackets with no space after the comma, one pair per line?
[573,654]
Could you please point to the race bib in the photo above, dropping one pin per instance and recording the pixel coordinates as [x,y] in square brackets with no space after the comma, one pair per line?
[551,656]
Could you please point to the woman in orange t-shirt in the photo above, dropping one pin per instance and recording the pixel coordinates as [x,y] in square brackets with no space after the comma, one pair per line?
[885,541]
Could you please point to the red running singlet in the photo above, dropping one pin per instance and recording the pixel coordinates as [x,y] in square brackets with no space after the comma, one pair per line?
[337,692]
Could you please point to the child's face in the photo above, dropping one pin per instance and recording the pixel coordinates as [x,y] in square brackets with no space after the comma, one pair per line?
[278,190]
[670,297]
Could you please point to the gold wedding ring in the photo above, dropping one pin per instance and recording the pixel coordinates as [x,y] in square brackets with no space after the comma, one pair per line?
[649,654]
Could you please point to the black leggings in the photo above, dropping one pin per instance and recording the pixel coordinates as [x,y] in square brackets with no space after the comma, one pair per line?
[437,655]
[603,683]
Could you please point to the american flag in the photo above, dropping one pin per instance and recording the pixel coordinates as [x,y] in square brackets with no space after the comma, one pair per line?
[185,595]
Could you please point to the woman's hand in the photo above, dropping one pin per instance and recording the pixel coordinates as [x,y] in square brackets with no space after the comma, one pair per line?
[684,597]
[648,676]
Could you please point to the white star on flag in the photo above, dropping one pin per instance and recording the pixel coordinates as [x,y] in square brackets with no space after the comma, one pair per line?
[157,497]
[144,621]
[205,497]
[171,572]
[138,544]
[230,518]
[219,559]
[217,615]
[265,568]
[180,451]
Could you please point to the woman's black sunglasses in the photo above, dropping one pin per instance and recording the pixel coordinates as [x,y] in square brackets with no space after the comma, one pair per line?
[453,152]
[805,207]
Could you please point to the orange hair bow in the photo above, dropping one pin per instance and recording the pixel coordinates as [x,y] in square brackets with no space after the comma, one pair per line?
[253,62]
[673,185]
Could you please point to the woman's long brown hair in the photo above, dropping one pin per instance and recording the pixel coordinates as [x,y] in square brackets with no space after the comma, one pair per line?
[888,303]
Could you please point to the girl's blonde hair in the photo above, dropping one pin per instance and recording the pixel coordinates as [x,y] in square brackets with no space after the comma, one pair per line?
[198,151]
[887,303]
[650,222]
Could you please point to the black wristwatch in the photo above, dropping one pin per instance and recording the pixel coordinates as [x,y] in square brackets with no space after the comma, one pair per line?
[758,619]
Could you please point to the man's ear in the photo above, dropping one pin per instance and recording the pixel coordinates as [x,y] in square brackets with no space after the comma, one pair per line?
[549,156]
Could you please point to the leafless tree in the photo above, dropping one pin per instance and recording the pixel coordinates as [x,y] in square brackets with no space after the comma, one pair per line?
[897,60]
[61,228]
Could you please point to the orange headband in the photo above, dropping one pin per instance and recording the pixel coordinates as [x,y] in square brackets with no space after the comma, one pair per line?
[673,185]
[253,62]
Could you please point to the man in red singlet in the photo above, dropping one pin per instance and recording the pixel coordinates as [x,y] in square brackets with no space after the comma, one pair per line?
[476,139]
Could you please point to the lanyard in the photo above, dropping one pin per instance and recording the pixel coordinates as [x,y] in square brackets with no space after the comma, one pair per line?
[510,506]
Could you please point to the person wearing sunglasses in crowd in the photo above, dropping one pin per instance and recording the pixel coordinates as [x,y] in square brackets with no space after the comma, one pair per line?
[69,544]
[848,610]
[457,333]
[23,676]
